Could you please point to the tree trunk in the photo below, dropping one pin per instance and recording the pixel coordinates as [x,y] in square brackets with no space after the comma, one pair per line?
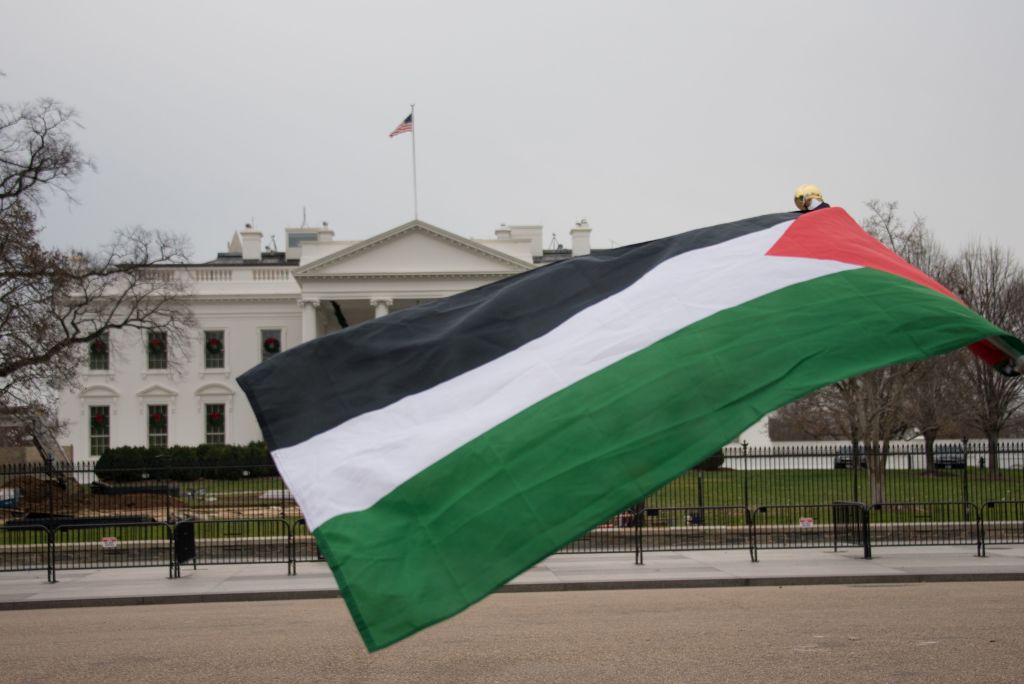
[876,473]
[993,451]
[929,450]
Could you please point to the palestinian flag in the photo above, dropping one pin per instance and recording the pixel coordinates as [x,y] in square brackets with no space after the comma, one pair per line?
[440,451]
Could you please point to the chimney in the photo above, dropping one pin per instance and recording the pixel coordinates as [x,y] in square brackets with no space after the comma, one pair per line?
[503,232]
[252,243]
[531,233]
[325,234]
[580,238]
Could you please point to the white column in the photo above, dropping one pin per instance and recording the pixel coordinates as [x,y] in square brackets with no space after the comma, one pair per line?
[309,307]
[381,306]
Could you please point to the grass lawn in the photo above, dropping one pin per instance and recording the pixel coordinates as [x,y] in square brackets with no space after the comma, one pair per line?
[793,493]
[205,529]
[818,489]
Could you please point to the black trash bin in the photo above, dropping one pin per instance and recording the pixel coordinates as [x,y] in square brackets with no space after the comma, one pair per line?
[184,542]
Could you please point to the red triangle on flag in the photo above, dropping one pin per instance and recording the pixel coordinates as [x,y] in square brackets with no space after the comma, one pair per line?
[833,234]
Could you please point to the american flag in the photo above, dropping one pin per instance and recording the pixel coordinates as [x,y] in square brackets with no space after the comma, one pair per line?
[403,127]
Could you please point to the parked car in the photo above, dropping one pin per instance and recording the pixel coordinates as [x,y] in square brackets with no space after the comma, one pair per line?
[950,456]
[9,497]
[844,457]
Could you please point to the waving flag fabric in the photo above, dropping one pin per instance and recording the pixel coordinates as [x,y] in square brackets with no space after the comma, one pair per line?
[404,127]
[439,451]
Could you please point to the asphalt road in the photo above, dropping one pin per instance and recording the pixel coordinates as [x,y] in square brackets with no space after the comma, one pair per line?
[942,632]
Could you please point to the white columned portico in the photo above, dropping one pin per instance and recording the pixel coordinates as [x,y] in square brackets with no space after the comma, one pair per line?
[309,307]
[381,306]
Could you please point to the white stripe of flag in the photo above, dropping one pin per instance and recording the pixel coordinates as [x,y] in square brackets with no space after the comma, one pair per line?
[354,465]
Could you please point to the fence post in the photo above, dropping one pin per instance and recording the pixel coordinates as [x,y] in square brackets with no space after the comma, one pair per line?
[980,527]
[835,527]
[700,495]
[752,528]
[746,482]
[638,534]
[855,467]
[176,570]
[866,521]
[172,567]
[49,489]
[51,557]
[292,569]
[966,489]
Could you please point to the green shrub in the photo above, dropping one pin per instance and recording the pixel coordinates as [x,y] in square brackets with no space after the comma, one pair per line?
[185,463]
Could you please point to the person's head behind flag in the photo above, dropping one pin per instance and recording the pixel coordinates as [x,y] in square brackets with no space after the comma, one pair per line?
[808,197]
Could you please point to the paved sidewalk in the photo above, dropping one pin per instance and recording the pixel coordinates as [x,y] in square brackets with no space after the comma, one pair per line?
[561,572]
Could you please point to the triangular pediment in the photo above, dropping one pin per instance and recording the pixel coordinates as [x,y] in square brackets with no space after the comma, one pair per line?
[416,248]
[157,391]
[99,392]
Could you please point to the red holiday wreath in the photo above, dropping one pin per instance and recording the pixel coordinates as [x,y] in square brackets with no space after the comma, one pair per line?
[156,344]
[271,345]
[214,345]
[98,346]
[99,420]
[215,417]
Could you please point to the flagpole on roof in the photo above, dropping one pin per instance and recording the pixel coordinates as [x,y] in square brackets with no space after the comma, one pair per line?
[409,126]
[415,192]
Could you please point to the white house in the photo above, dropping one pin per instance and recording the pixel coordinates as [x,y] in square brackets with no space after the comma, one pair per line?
[251,302]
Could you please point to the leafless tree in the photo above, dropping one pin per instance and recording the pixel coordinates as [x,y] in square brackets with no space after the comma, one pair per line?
[990,280]
[817,416]
[876,402]
[54,302]
[932,401]
[935,402]
[873,405]
[866,410]
[38,153]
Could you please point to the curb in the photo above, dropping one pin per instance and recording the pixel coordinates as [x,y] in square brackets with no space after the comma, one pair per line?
[611,585]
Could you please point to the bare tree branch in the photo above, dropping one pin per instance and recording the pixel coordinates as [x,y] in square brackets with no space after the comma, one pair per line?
[990,280]
[37,152]
[52,302]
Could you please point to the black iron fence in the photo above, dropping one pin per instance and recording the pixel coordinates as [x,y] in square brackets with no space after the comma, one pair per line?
[823,496]
[829,496]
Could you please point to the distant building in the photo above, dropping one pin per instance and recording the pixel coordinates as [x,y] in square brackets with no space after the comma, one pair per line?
[251,303]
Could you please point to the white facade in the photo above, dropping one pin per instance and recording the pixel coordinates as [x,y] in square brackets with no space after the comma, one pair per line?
[248,294]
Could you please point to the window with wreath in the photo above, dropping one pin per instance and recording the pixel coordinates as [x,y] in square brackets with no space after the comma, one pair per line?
[99,430]
[213,348]
[156,350]
[156,420]
[99,353]
[270,343]
[215,423]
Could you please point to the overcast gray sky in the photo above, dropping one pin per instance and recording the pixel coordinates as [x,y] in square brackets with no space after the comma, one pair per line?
[645,117]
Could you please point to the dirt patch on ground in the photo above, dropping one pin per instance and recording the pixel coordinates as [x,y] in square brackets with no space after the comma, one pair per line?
[44,497]
[48,497]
